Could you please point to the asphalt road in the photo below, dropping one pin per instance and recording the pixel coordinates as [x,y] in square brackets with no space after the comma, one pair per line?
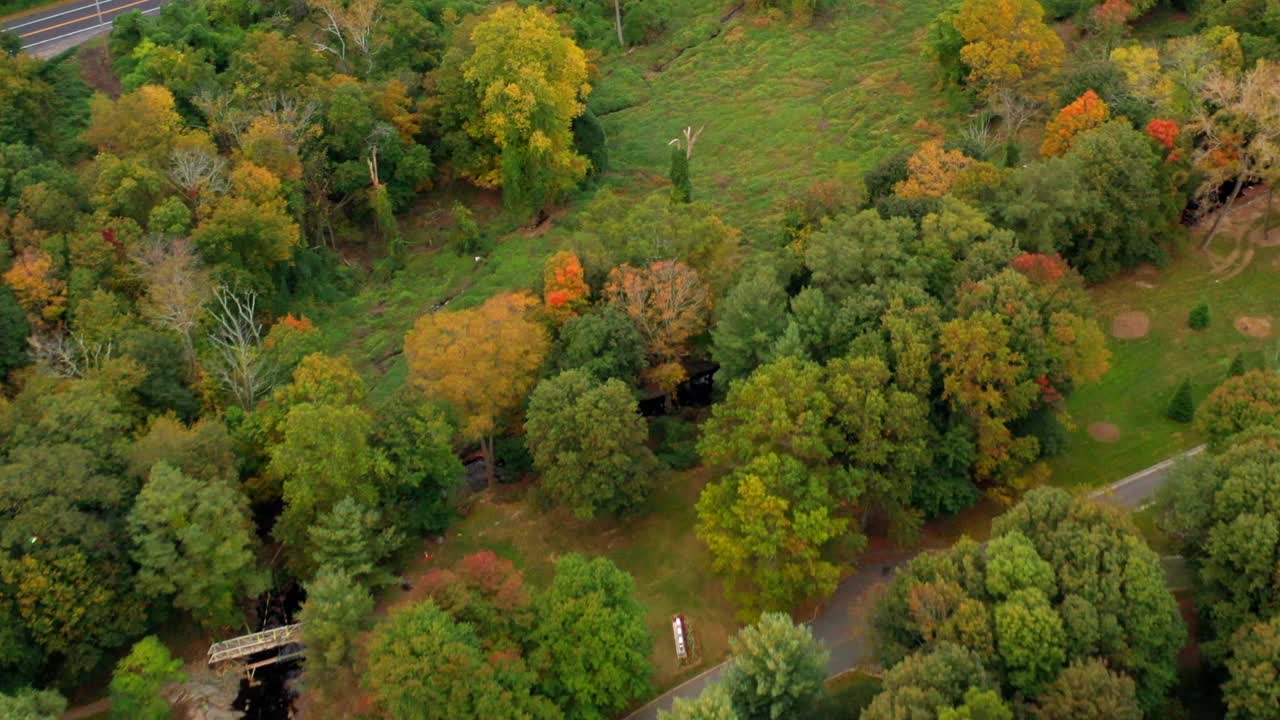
[51,30]
[836,626]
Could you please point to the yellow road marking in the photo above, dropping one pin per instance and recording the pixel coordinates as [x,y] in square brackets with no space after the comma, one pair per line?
[91,16]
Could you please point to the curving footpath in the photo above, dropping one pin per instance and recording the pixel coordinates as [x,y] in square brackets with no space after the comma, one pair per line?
[837,625]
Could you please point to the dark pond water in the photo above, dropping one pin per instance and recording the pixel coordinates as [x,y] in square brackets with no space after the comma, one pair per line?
[270,695]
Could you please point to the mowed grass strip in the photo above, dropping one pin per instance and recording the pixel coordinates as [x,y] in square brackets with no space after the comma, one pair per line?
[1145,372]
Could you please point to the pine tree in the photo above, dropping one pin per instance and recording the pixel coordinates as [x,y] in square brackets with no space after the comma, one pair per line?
[1182,408]
[681,184]
[1237,366]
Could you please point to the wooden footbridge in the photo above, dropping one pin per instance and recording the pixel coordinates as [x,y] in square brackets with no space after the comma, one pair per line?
[234,654]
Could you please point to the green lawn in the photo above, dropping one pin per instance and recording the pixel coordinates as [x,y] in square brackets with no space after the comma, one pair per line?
[1145,372]
[671,566]
[783,106]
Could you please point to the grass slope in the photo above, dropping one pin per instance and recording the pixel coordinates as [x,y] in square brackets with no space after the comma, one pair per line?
[783,106]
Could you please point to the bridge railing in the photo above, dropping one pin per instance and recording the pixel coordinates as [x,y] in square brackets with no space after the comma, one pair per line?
[246,645]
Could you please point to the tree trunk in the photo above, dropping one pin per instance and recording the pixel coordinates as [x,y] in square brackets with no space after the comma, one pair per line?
[490,469]
[617,14]
[1213,229]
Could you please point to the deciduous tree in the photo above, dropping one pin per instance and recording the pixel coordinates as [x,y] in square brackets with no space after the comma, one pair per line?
[482,361]
[29,704]
[564,289]
[195,543]
[588,442]
[1087,112]
[1088,690]
[1238,404]
[1252,691]
[603,342]
[769,526]
[749,321]
[1009,47]
[591,643]
[668,303]
[140,677]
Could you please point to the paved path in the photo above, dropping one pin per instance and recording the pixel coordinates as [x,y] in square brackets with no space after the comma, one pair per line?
[54,29]
[837,624]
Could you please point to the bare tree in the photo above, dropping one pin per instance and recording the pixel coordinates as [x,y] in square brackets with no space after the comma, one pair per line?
[351,24]
[67,354]
[243,368]
[177,288]
[198,172]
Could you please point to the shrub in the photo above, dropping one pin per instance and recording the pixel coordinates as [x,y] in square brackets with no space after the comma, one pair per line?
[1182,407]
[1199,317]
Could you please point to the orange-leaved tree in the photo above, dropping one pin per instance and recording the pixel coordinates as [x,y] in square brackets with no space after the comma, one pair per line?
[1087,112]
[564,286]
[42,294]
[933,171]
[668,303]
[482,361]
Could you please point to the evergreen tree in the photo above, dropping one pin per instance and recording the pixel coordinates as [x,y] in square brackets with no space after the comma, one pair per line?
[1182,407]
[354,539]
[337,608]
[681,184]
[777,670]
[14,329]
[1237,366]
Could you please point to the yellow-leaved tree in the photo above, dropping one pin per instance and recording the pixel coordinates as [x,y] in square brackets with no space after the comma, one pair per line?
[483,361]
[526,79]
[1008,47]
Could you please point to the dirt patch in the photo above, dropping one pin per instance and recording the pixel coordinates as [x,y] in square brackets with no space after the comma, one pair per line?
[1104,432]
[1257,327]
[95,68]
[1145,285]
[1131,325]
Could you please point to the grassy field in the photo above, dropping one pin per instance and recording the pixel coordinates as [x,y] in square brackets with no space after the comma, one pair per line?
[671,566]
[1145,372]
[783,106]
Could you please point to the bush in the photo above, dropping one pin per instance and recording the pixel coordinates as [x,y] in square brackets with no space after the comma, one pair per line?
[1182,407]
[1199,317]
[513,458]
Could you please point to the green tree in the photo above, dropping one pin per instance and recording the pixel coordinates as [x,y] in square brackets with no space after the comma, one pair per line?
[1031,640]
[713,704]
[1238,366]
[777,670]
[781,408]
[422,664]
[1252,690]
[591,642]
[588,442]
[1198,319]
[925,683]
[681,183]
[195,542]
[525,81]
[336,610]
[1225,510]
[29,704]
[1182,407]
[1107,599]
[1127,208]
[749,321]
[769,527]
[426,472]
[1238,404]
[325,456]
[1087,690]
[14,330]
[139,678]
[354,540]
[603,342]
[978,705]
